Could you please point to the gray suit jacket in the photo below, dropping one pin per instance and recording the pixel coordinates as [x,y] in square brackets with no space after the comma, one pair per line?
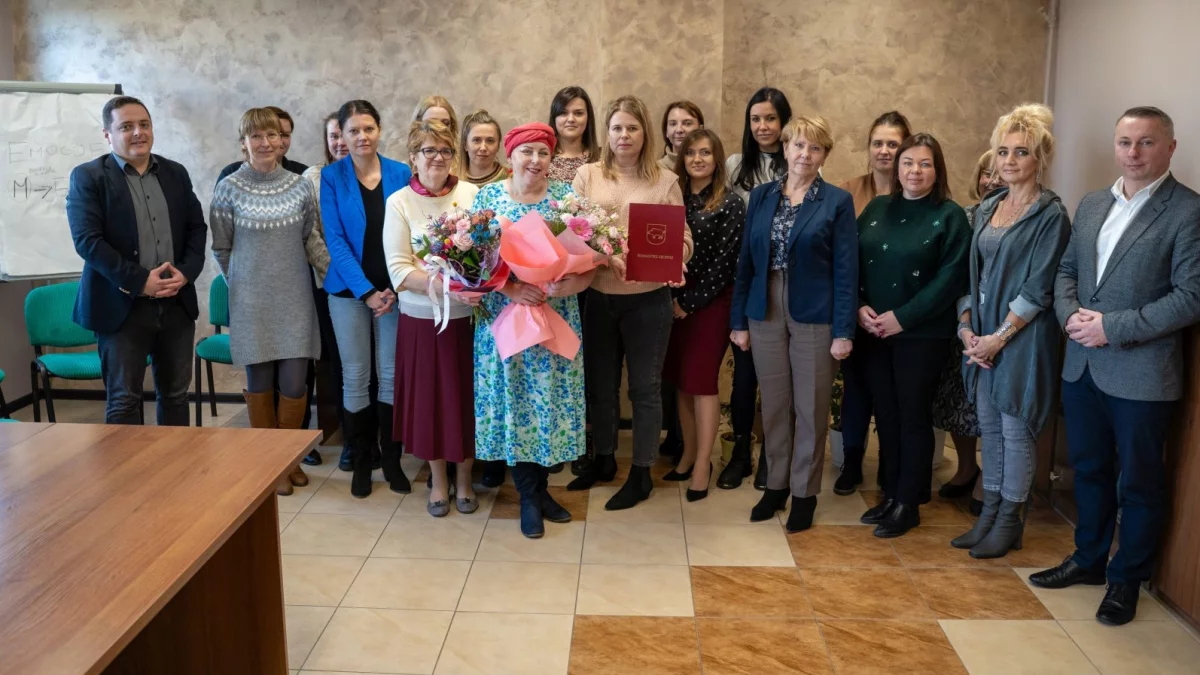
[1149,293]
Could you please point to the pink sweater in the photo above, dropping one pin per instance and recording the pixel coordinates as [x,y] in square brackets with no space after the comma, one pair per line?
[617,196]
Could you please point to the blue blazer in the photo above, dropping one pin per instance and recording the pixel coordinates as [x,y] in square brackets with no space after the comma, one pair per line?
[822,260]
[104,229]
[345,220]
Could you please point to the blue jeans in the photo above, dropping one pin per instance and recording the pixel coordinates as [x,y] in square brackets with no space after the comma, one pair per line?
[353,322]
[162,330]
[1116,448]
[1009,450]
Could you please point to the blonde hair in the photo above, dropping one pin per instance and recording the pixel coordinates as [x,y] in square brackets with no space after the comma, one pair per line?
[257,119]
[476,118]
[813,128]
[648,168]
[421,131]
[1035,121]
[986,163]
[437,101]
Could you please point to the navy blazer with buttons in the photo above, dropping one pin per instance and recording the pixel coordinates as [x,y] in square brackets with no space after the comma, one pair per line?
[104,229]
[822,272]
[345,220]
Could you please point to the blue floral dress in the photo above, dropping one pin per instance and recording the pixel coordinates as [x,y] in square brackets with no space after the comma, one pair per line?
[529,408]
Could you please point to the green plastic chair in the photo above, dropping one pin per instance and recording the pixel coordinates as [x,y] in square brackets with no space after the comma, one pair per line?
[48,324]
[3,403]
[214,348]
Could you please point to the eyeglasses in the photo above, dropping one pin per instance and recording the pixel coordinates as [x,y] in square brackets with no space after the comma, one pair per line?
[258,138]
[444,153]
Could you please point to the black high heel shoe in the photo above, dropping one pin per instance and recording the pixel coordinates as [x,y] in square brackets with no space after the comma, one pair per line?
[952,491]
[676,477]
[696,495]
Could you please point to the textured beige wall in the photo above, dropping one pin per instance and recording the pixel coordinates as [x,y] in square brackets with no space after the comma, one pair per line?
[952,65]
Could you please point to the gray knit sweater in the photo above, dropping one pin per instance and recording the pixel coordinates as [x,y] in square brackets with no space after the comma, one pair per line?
[260,225]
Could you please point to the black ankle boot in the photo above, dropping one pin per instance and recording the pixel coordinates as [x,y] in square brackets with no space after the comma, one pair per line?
[360,431]
[876,514]
[602,470]
[526,477]
[851,478]
[772,502]
[740,465]
[636,489]
[800,518]
[346,459]
[551,510]
[760,476]
[390,452]
[899,521]
[493,473]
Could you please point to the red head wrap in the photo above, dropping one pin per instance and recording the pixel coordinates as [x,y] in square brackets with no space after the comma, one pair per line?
[534,132]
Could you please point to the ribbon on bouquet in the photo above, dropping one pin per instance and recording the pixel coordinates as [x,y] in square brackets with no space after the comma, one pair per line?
[437,268]
[537,257]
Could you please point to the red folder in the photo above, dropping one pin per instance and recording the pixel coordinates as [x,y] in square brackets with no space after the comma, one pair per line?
[655,250]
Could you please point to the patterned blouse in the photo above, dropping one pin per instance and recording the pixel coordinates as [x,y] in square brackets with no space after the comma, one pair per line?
[785,217]
[565,168]
[717,241]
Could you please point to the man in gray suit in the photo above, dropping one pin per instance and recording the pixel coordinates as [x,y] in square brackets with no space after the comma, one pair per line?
[1128,284]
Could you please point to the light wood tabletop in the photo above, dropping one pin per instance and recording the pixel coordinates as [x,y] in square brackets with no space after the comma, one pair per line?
[101,526]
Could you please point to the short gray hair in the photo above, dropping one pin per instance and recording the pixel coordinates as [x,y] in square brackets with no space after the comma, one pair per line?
[1150,112]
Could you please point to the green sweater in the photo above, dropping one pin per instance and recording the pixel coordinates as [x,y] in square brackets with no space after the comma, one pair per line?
[913,262]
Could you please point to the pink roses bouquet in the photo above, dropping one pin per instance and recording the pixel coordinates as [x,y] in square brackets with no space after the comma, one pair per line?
[598,228]
[461,251]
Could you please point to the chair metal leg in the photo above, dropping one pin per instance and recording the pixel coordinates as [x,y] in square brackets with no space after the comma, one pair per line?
[212,389]
[3,406]
[33,388]
[199,403]
[48,393]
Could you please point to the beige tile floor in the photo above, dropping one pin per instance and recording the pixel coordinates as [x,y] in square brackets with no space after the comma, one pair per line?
[377,586]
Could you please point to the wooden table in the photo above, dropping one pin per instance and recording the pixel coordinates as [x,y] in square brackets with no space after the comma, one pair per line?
[142,549]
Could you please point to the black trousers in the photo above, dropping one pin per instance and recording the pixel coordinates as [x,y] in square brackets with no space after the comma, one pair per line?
[902,375]
[162,330]
[743,397]
[637,327]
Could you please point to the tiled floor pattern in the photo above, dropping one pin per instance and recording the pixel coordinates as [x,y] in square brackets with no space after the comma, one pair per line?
[673,588]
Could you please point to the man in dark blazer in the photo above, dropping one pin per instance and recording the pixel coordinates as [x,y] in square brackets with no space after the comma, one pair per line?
[140,230]
[1128,284]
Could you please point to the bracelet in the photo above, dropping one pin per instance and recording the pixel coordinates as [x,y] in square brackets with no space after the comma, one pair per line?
[962,325]
[1005,331]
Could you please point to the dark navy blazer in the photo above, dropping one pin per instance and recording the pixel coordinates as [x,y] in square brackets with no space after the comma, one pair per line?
[822,260]
[345,220]
[104,229]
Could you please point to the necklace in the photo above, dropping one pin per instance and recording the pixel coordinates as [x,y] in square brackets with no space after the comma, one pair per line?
[997,221]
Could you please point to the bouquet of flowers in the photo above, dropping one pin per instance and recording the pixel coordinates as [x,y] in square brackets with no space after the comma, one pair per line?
[598,228]
[537,255]
[461,252]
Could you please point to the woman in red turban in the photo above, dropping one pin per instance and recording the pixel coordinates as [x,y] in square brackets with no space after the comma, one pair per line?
[529,408]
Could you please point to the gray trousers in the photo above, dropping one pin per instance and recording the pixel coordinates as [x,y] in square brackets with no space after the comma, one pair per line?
[795,375]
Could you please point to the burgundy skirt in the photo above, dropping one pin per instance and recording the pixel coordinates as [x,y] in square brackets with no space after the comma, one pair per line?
[698,343]
[435,389]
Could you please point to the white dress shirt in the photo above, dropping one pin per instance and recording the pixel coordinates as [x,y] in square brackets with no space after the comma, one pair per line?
[1119,217]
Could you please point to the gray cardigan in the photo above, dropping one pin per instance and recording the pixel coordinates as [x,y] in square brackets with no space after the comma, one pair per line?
[1024,377]
[1149,293]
